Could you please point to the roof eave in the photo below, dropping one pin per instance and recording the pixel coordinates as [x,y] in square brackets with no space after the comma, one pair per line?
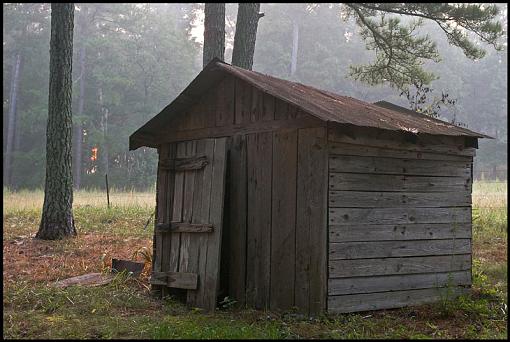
[461,130]
[217,69]
[141,136]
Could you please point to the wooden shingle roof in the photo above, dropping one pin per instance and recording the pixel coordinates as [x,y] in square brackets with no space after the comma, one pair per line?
[322,104]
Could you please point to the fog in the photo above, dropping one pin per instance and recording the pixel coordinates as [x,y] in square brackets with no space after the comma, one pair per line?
[131,60]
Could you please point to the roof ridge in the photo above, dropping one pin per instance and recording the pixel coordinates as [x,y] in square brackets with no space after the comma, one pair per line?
[323,104]
[423,116]
[386,112]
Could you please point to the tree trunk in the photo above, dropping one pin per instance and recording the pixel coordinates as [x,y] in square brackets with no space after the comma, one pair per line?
[104,126]
[214,32]
[57,216]
[295,42]
[17,133]
[11,120]
[246,33]
[17,122]
[78,128]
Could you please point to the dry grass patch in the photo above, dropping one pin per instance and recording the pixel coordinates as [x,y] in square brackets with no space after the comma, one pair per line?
[33,199]
[125,309]
[26,258]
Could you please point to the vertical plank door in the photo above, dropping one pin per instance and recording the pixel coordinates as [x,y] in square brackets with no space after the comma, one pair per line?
[195,221]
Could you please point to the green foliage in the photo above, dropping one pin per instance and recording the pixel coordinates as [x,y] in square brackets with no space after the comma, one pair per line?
[118,220]
[78,312]
[328,46]
[418,100]
[140,56]
[401,52]
[198,326]
[227,302]
[399,56]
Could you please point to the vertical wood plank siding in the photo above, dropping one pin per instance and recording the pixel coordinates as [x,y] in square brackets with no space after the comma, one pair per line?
[186,246]
[193,197]
[200,214]
[165,203]
[277,208]
[399,222]
[213,254]
[161,202]
[283,221]
[237,187]
[311,232]
[178,202]
[258,268]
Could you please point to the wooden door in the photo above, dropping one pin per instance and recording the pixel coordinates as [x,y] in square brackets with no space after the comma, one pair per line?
[191,184]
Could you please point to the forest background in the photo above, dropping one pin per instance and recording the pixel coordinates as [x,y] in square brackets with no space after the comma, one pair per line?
[131,60]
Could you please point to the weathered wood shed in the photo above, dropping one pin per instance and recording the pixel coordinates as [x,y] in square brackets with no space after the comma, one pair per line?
[282,195]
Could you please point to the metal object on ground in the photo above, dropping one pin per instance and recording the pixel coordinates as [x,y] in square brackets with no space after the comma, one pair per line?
[134,267]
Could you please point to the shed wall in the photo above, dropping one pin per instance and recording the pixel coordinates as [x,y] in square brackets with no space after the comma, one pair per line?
[234,107]
[277,219]
[274,252]
[399,221]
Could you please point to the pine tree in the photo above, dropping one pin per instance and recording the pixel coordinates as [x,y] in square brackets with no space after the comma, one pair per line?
[214,32]
[246,33]
[57,217]
[401,52]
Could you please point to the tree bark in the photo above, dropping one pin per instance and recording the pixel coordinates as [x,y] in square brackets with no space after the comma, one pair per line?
[246,34]
[11,120]
[214,32]
[78,128]
[295,45]
[57,216]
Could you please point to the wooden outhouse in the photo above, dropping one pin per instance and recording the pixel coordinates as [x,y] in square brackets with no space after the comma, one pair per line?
[280,195]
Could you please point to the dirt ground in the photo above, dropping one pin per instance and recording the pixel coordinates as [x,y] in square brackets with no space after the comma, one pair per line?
[26,258]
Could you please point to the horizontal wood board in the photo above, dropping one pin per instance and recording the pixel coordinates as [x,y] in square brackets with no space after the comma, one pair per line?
[374,199]
[180,280]
[340,216]
[417,167]
[182,227]
[399,223]
[395,232]
[347,149]
[399,183]
[388,300]
[404,265]
[387,249]
[343,286]
[372,137]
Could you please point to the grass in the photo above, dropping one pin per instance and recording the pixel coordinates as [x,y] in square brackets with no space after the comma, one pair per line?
[127,216]
[124,308]
[33,199]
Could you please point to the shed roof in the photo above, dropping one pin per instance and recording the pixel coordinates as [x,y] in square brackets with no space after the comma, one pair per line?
[322,104]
